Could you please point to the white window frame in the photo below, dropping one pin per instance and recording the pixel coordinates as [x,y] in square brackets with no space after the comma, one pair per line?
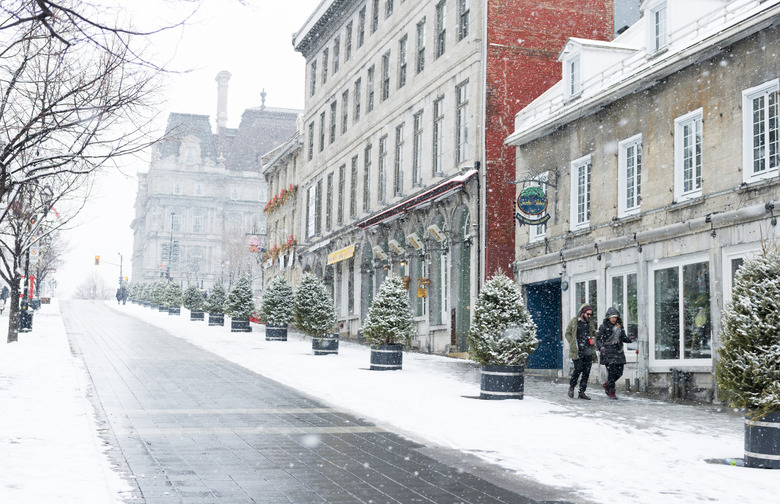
[462,118]
[624,181]
[572,76]
[748,95]
[311,211]
[680,125]
[742,251]
[537,233]
[575,222]
[658,36]
[623,272]
[664,364]
[587,278]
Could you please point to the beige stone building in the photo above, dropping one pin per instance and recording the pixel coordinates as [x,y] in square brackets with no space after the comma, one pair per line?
[658,154]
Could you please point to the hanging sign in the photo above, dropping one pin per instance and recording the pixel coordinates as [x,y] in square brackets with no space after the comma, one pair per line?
[532,204]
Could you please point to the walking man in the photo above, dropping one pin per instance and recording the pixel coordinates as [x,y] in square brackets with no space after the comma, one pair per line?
[581,335]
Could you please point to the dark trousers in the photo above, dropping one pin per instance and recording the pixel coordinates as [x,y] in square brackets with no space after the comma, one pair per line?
[614,372]
[581,367]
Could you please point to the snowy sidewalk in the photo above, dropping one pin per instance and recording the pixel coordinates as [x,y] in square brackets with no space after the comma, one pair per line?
[633,450]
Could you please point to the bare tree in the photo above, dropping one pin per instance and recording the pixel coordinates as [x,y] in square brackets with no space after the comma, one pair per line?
[51,251]
[93,287]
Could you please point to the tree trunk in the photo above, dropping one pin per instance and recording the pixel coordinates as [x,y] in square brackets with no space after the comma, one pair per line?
[13,314]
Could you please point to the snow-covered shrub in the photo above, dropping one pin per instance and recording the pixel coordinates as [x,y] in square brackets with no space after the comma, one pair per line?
[389,320]
[215,302]
[748,367]
[158,292]
[193,299]
[503,332]
[173,295]
[278,302]
[313,311]
[240,301]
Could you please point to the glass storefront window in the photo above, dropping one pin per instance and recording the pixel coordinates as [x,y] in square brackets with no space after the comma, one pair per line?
[624,299]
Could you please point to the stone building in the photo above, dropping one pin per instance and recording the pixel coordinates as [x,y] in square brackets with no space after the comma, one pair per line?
[404,169]
[204,193]
[658,154]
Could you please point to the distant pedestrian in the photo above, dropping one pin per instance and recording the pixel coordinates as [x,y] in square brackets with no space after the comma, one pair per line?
[119,295]
[610,338]
[581,335]
[5,293]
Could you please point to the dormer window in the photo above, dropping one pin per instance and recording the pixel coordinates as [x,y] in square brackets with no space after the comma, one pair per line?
[659,37]
[572,76]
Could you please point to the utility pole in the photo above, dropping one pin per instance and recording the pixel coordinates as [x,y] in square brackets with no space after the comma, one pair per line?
[170,251]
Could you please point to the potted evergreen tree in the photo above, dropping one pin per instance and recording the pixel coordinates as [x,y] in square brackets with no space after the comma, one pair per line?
[501,338]
[240,304]
[193,301]
[314,315]
[215,304]
[173,298]
[158,295]
[277,309]
[748,366]
[389,325]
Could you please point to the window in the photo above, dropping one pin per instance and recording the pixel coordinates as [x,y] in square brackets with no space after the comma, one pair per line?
[367,179]
[374,15]
[398,166]
[441,28]
[324,66]
[336,53]
[687,156]
[629,175]
[344,111]
[311,211]
[462,130]
[234,193]
[402,61]
[198,189]
[318,204]
[370,89]
[388,8]
[539,232]
[342,194]
[586,292]
[385,76]
[417,145]
[361,27]
[580,193]
[189,155]
[176,187]
[572,77]
[313,78]
[356,102]
[175,223]
[681,328]
[659,34]
[197,222]
[353,185]
[322,131]
[351,293]
[420,49]
[332,137]
[622,294]
[438,137]
[382,175]
[464,7]
[311,140]
[760,132]
[348,42]
[329,202]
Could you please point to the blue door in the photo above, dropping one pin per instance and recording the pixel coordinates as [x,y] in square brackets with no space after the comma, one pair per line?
[544,302]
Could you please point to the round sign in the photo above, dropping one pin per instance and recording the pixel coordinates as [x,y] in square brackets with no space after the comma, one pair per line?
[532,201]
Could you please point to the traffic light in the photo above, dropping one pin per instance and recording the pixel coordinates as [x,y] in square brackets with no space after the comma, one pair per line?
[97,260]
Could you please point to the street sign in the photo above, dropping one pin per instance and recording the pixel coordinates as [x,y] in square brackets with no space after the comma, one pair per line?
[34,254]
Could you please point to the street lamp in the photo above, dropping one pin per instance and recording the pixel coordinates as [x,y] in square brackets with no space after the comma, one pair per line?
[170,250]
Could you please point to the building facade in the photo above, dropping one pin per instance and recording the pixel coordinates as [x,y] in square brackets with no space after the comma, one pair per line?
[404,167]
[203,195]
[658,156]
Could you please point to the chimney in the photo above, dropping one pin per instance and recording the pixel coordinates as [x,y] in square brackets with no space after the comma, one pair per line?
[222,88]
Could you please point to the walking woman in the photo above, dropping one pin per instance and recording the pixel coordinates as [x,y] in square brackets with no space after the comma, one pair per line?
[610,339]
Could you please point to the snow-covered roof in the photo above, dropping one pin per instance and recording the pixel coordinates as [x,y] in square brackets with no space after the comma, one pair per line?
[326,12]
[698,29]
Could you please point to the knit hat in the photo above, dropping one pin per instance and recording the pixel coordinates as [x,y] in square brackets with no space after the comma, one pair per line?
[584,309]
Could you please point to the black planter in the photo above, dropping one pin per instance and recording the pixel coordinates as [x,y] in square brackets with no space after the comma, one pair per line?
[25,320]
[196,315]
[240,325]
[275,332]
[501,382]
[387,357]
[762,441]
[162,308]
[326,346]
[216,319]
[174,310]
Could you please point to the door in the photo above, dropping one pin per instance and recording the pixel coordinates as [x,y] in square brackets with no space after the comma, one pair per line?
[544,302]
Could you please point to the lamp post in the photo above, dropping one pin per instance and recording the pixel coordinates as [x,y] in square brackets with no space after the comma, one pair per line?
[170,250]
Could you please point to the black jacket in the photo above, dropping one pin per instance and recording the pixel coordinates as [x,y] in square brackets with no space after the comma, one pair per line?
[610,338]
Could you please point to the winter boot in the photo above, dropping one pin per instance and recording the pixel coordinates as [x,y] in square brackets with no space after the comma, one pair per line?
[582,395]
[571,392]
[612,395]
[606,388]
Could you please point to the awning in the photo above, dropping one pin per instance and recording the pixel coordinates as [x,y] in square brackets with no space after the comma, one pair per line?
[442,190]
[340,255]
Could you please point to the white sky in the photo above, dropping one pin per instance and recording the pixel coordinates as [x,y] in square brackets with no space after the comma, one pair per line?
[253,43]
[633,450]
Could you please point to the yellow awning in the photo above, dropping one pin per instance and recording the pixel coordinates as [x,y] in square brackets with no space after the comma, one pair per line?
[342,254]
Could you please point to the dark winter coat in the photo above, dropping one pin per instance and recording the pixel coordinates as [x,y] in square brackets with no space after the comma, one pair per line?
[579,347]
[610,339]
